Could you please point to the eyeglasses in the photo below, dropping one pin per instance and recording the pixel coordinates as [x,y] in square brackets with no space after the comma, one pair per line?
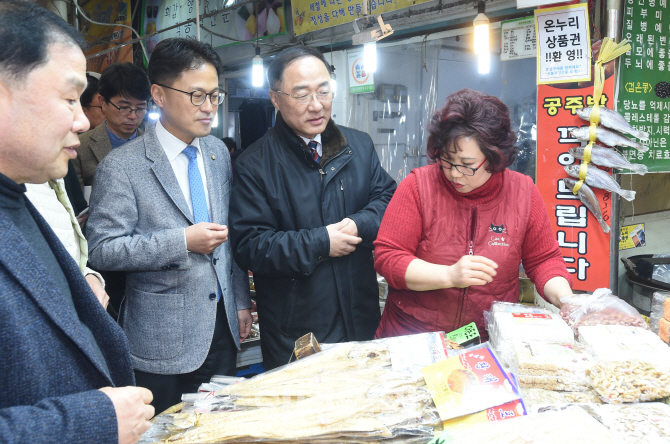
[199,97]
[465,170]
[323,96]
[126,110]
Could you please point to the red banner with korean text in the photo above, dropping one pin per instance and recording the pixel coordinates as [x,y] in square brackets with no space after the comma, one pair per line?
[585,247]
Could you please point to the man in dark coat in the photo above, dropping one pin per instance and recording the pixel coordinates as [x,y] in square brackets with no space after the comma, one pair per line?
[306,204]
[63,360]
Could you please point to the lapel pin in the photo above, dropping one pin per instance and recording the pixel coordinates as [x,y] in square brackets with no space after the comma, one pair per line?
[213,157]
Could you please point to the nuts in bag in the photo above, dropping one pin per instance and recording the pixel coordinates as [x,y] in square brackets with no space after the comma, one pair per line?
[600,308]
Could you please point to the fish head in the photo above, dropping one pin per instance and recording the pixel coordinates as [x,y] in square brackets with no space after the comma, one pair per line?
[572,170]
[584,113]
[569,182]
[574,152]
[580,132]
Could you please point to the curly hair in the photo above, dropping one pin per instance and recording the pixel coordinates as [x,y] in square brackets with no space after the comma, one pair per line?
[485,118]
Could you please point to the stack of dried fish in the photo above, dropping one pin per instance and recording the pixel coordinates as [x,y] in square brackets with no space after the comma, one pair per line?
[604,156]
[347,393]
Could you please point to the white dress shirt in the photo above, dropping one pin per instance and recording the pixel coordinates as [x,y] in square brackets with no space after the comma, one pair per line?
[317,139]
[174,148]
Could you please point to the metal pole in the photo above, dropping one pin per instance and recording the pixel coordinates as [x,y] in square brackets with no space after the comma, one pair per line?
[613,14]
[197,19]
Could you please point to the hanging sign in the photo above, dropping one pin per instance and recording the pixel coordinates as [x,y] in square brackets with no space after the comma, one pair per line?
[360,80]
[104,37]
[644,83]
[632,236]
[312,15]
[265,19]
[563,44]
[584,245]
[518,39]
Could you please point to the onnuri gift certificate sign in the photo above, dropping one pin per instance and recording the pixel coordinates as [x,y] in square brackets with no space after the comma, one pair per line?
[563,44]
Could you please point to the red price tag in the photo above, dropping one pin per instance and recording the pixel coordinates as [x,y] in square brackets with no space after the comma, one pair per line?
[531,315]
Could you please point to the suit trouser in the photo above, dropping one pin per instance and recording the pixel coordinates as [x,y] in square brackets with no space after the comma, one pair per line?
[221,360]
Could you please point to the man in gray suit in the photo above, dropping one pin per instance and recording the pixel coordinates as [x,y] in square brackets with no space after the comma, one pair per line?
[124,91]
[159,210]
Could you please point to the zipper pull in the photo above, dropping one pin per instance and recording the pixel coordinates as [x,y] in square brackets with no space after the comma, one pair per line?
[322,173]
[341,185]
[471,245]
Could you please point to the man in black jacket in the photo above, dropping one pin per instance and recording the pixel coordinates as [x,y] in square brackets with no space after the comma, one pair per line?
[306,205]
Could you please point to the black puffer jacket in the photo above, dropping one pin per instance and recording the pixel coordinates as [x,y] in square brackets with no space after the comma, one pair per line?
[281,202]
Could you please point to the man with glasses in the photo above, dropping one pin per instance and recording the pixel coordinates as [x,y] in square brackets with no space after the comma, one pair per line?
[306,205]
[159,211]
[124,90]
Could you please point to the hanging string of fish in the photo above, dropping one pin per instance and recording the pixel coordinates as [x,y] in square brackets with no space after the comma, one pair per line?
[612,125]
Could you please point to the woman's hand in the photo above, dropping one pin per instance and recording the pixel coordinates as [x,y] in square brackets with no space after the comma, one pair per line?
[472,270]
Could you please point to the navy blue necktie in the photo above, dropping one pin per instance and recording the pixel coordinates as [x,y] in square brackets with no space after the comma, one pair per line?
[200,210]
[315,154]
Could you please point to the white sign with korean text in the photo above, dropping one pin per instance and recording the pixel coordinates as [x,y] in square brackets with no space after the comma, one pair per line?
[518,39]
[563,50]
[360,80]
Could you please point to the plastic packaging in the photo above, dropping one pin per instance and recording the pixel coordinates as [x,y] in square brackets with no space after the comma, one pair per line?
[576,383]
[647,423]
[608,343]
[600,308]
[510,307]
[630,381]
[658,309]
[538,358]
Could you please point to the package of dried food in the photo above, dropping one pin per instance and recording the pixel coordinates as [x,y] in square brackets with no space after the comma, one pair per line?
[646,423]
[607,343]
[540,358]
[630,381]
[664,330]
[519,327]
[511,307]
[576,383]
[570,425]
[658,303]
[533,398]
[600,308]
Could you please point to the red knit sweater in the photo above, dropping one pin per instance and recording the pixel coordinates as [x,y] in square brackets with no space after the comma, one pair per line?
[401,231]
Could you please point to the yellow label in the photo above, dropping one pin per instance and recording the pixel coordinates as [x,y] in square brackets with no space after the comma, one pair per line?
[632,236]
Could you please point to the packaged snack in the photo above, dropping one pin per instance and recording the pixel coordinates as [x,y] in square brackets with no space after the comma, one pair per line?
[647,423]
[535,398]
[539,358]
[664,330]
[519,327]
[658,303]
[510,307]
[608,343]
[630,381]
[576,383]
[600,308]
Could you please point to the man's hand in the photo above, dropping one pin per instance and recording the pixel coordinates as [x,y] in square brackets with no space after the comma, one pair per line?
[98,289]
[133,411]
[341,243]
[472,270]
[244,318]
[205,237]
[349,227]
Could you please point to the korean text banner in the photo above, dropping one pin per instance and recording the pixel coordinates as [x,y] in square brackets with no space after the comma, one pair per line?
[312,15]
[585,247]
[563,44]
[644,83]
[265,18]
[103,37]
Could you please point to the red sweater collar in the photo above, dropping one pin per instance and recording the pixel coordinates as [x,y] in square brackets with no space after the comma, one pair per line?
[479,196]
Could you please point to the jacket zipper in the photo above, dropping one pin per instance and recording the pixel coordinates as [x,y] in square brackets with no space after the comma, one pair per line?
[344,197]
[322,171]
[473,227]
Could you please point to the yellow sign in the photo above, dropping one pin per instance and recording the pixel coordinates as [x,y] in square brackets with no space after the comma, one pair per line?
[632,236]
[104,37]
[312,15]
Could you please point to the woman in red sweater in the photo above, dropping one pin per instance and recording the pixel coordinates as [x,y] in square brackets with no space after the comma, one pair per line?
[456,230]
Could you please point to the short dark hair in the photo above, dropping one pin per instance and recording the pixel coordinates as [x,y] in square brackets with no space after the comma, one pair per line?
[288,56]
[26,32]
[230,143]
[171,57]
[88,94]
[124,79]
[485,118]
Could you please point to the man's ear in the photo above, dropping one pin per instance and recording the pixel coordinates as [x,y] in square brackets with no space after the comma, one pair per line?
[274,97]
[158,95]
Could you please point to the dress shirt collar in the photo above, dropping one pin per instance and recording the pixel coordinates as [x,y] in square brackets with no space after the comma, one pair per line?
[171,144]
[116,140]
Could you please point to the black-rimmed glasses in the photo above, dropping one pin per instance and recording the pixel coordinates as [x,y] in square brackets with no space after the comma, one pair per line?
[199,97]
[464,170]
[126,110]
[323,96]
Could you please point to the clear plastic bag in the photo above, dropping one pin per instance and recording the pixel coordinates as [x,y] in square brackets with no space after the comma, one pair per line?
[647,423]
[630,381]
[600,308]
[574,383]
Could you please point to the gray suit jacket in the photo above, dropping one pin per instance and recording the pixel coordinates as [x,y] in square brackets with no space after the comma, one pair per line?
[137,219]
[94,146]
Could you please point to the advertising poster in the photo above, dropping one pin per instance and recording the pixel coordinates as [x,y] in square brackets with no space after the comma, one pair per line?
[105,37]
[563,52]
[360,80]
[517,39]
[585,247]
[312,15]
[644,83]
[264,18]
[632,236]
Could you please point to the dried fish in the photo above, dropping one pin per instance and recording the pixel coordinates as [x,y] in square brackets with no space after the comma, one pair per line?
[600,179]
[609,158]
[614,120]
[609,138]
[588,198]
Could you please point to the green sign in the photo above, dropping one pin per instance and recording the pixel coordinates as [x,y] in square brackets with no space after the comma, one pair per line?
[466,335]
[644,82]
